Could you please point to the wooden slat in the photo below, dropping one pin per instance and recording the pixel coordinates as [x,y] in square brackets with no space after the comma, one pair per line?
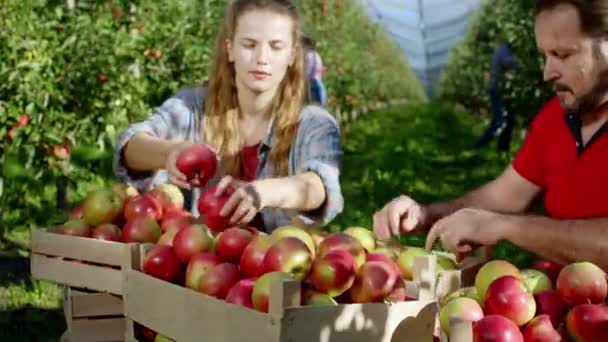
[404,321]
[185,315]
[95,304]
[93,250]
[461,331]
[106,330]
[76,274]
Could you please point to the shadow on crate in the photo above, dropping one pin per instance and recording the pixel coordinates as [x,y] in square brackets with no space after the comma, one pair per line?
[31,324]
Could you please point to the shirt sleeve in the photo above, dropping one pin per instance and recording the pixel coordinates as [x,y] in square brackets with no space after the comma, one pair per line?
[320,151]
[171,121]
[528,161]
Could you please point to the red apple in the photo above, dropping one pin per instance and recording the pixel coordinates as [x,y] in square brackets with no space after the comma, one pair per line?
[581,283]
[218,280]
[167,237]
[107,232]
[364,236]
[143,205]
[141,229]
[74,228]
[491,271]
[509,297]
[261,289]
[191,240]
[375,281]
[550,303]
[198,265]
[289,255]
[209,207]
[297,232]
[540,329]
[496,328]
[252,258]
[170,196]
[197,162]
[160,262]
[345,242]
[374,256]
[77,213]
[459,308]
[334,273]
[536,281]
[550,268]
[176,217]
[240,293]
[101,206]
[232,243]
[143,334]
[588,323]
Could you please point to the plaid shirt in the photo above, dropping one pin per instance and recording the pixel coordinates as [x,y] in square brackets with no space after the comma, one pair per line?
[316,148]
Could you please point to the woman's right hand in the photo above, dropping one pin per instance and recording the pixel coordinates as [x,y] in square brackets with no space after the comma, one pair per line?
[175,175]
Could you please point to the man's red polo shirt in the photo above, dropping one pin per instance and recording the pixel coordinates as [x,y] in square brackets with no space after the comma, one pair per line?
[574,178]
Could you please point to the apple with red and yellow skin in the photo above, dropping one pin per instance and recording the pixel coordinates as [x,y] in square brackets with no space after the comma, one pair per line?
[459,308]
[210,206]
[364,236]
[540,329]
[345,242]
[191,240]
[170,196]
[261,289]
[162,263]
[77,212]
[240,293]
[125,191]
[408,256]
[374,256]
[167,237]
[334,273]
[107,232]
[219,279]
[74,228]
[231,244]
[550,303]
[198,163]
[491,271]
[141,229]
[289,255]
[198,265]
[536,281]
[582,283]
[588,323]
[496,328]
[143,205]
[374,282]
[297,232]
[252,258]
[508,296]
[176,218]
[101,206]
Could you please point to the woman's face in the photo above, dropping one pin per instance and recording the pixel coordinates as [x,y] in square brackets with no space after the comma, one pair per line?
[262,50]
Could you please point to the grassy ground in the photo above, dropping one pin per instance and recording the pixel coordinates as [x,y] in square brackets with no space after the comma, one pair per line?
[419,149]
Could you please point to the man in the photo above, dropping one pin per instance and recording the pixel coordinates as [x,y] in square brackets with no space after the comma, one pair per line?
[501,125]
[564,157]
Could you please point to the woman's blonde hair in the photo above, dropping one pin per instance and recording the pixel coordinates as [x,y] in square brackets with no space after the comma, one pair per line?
[220,125]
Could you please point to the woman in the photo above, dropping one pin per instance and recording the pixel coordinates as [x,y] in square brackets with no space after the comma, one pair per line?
[282,158]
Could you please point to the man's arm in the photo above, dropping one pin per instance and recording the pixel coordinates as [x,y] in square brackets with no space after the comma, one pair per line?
[510,193]
[564,241]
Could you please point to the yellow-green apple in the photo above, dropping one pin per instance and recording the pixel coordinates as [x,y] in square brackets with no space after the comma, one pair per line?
[365,236]
[102,206]
[459,308]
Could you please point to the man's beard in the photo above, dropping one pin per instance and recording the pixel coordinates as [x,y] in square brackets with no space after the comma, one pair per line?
[595,96]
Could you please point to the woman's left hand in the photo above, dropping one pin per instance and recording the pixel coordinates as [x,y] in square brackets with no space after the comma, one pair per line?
[244,202]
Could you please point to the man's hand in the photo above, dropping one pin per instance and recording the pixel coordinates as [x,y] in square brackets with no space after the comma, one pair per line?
[464,229]
[402,214]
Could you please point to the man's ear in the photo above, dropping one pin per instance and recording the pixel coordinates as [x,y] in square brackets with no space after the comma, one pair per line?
[229,50]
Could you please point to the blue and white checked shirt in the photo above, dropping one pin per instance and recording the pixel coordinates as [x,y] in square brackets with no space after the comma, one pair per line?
[316,148]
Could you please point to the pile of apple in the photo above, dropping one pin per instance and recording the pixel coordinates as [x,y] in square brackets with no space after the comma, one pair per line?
[120,213]
[238,264]
[547,303]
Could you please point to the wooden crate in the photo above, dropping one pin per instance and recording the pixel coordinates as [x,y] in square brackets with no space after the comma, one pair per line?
[186,315]
[78,262]
[93,316]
